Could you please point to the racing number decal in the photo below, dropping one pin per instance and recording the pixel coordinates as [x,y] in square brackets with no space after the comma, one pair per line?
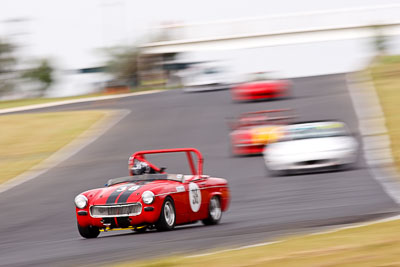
[133,188]
[123,192]
[123,188]
[194,197]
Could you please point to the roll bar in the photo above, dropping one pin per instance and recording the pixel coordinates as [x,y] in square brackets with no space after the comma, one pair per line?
[140,155]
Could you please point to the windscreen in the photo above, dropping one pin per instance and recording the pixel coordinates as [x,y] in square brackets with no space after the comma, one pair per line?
[145,178]
[314,130]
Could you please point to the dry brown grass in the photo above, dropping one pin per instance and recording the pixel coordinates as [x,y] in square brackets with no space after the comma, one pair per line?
[386,77]
[28,139]
[372,245]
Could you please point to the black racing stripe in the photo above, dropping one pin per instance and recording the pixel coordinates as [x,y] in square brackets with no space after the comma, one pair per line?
[113,196]
[110,200]
[127,193]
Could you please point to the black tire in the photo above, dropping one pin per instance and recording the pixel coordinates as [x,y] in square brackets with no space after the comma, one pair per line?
[231,148]
[167,219]
[89,232]
[347,167]
[214,211]
[270,173]
[274,173]
[231,153]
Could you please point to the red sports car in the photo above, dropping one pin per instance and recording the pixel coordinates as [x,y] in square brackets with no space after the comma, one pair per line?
[152,198]
[261,89]
[252,131]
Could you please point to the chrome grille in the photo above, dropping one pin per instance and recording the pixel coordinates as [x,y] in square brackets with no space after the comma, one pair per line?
[116,210]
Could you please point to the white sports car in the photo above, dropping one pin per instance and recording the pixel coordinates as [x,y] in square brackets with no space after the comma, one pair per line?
[203,79]
[311,145]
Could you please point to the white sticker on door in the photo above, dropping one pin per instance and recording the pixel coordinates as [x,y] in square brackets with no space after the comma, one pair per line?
[194,197]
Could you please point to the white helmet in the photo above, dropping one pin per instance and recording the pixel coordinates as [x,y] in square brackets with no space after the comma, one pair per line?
[140,167]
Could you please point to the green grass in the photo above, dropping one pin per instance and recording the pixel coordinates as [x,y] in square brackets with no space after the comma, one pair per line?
[385,73]
[28,139]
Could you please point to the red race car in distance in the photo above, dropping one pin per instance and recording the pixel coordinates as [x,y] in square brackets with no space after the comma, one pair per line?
[261,88]
[252,131]
[152,198]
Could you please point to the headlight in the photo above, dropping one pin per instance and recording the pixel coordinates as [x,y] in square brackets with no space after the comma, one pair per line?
[81,201]
[148,197]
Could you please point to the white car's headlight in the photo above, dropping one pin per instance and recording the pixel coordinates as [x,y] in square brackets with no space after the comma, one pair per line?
[148,197]
[81,201]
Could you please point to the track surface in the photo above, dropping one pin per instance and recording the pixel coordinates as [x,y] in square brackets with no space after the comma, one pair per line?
[38,218]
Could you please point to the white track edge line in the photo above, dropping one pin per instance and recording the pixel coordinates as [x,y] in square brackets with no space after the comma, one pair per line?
[374,134]
[234,249]
[74,101]
[336,229]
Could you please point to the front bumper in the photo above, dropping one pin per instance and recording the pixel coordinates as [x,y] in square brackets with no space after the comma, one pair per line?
[248,149]
[246,96]
[310,162]
[149,214]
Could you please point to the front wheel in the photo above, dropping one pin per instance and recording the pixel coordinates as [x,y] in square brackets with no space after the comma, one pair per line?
[166,222]
[89,231]
[214,211]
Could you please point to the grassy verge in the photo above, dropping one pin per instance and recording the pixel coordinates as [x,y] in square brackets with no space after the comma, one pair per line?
[373,245]
[28,139]
[33,101]
[385,73]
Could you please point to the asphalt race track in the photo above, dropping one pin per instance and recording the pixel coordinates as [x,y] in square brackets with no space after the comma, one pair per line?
[38,225]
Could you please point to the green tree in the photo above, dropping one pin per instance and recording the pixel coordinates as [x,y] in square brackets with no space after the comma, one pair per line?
[7,67]
[123,64]
[380,40]
[41,73]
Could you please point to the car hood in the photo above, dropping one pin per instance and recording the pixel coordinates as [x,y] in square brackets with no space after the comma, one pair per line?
[311,145]
[128,192]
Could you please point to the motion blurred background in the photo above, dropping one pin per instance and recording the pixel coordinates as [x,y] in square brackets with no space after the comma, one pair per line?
[338,59]
[87,46]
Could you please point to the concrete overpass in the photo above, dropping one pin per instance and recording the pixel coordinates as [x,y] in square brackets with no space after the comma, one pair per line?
[295,28]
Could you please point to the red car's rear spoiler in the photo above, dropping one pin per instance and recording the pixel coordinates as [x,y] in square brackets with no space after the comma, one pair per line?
[264,111]
[140,155]
[285,115]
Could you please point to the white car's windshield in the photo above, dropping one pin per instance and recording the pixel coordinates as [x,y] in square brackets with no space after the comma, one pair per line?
[210,71]
[314,130]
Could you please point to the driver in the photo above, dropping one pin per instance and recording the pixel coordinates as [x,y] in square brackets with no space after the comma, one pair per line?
[140,167]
